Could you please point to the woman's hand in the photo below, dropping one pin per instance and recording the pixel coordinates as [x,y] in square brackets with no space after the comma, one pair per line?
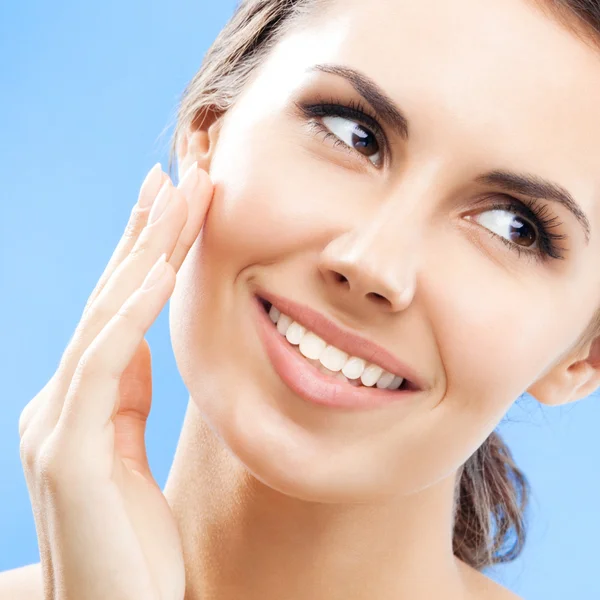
[104,528]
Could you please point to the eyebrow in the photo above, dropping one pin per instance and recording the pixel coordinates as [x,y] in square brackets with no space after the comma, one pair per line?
[372,93]
[534,186]
[526,184]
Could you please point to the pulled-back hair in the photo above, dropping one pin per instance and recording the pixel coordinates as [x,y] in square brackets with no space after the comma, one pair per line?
[492,494]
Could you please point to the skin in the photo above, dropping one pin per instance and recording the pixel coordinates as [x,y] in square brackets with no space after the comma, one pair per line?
[272,497]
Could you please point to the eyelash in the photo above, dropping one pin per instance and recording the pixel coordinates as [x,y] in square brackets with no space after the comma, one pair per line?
[530,209]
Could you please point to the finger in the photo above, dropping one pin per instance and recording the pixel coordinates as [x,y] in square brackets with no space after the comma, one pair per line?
[198,189]
[93,398]
[135,393]
[137,221]
[156,238]
[174,232]
[31,408]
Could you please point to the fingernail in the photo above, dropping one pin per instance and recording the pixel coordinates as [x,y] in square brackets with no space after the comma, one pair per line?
[161,203]
[156,273]
[189,181]
[150,186]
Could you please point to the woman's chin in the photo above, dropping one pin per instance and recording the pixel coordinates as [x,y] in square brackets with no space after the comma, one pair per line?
[289,458]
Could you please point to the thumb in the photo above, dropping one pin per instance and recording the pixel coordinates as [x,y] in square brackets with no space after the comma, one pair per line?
[135,400]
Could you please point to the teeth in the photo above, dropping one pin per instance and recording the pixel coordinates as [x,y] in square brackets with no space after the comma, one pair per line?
[370,375]
[396,383]
[326,370]
[385,380]
[312,346]
[354,368]
[274,314]
[295,333]
[331,360]
[283,324]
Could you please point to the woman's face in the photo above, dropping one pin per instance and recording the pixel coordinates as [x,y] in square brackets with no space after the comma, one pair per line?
[395,236]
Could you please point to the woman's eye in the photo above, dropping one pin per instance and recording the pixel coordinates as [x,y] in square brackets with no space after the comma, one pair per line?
[354,136]
[504,223]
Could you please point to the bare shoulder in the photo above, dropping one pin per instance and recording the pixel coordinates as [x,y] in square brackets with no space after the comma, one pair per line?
[498,592]
[481,587]
[24,583]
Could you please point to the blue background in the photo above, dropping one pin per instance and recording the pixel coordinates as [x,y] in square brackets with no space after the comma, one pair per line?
[89,93]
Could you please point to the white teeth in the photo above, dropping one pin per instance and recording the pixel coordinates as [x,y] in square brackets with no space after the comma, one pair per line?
[274,313]
[312,346]
[385,380]
[333,359]
[295,333]
[283,323]
[354,368]
[326,370]
[396,383]
[370,375]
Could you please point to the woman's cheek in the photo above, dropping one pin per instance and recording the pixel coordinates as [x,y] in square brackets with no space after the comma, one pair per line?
[269,199]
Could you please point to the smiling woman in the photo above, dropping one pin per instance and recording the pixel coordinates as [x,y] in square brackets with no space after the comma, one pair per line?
[349,111]
[384,234]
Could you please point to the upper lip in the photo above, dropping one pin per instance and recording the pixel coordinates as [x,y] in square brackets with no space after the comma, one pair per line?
[351,343]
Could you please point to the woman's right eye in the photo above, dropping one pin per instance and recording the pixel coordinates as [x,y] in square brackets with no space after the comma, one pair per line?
[350,126]
[354,135]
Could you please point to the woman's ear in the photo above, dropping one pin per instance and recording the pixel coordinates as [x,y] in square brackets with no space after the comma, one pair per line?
[575,377]
[197,143]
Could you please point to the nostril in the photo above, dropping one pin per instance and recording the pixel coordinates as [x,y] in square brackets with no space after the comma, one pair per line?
[376,296]
[340,278]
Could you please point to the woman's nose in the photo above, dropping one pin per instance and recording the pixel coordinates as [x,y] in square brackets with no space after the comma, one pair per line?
[370,269]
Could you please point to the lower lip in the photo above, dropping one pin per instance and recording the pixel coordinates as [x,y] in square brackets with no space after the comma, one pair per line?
[309,383]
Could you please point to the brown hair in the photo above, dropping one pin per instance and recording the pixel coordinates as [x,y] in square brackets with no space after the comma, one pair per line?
[492,494]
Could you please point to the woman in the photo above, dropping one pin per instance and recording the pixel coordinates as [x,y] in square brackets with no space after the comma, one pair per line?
[383,208]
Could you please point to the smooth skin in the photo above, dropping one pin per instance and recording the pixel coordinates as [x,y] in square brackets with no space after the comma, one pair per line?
[277,498]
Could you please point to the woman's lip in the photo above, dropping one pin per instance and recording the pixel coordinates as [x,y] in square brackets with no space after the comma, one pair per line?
[308,382]
[345,340]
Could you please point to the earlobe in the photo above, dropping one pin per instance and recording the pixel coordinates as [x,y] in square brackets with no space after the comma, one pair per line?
[574,378]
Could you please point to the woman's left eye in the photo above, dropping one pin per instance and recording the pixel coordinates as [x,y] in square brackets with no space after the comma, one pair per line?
[355,136]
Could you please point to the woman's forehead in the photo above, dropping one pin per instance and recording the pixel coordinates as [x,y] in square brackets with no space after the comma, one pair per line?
[501,82]
[496,50]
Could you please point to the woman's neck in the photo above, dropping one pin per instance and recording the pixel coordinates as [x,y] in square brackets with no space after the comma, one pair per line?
[242,539]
